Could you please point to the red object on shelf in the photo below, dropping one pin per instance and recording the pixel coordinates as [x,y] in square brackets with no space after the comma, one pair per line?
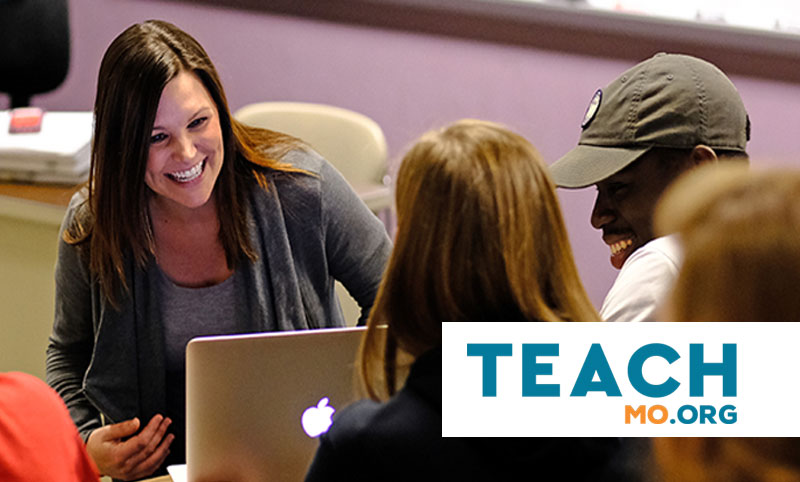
[25,119]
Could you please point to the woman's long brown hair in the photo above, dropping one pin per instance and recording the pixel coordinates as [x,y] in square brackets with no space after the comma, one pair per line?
[480,237]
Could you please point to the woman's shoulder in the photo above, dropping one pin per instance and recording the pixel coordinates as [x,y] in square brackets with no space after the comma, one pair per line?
[354,419]
[300,169]
[301,157]
[381,435]
[25,384]
[305,159]
[78,200]
[405,418]
[77,211]
[412,412]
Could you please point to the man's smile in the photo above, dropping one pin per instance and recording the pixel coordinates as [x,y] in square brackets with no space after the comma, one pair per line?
[621,246]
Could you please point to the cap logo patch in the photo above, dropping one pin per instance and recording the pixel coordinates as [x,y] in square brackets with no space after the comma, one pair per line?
[591,111]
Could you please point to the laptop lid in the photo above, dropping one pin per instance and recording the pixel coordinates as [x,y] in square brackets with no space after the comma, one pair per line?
[256,403]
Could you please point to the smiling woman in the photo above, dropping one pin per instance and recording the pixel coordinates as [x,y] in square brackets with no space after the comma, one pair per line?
[184,162]
[191,224]
[186,146]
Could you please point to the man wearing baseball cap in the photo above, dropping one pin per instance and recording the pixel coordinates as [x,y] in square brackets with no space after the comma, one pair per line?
[657,120]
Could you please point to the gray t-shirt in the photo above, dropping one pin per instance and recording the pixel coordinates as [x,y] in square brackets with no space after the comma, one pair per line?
[187,313]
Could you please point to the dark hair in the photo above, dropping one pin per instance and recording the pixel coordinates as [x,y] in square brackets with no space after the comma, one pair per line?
[134,70]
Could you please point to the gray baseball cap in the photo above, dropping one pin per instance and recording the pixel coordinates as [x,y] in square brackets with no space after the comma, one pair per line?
[669,100]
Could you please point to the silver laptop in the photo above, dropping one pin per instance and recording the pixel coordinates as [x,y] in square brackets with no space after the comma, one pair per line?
[257,403]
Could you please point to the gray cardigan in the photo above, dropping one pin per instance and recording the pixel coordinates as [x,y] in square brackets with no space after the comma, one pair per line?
[307,229]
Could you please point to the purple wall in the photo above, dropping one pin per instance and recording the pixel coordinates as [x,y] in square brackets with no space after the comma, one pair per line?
[408,83]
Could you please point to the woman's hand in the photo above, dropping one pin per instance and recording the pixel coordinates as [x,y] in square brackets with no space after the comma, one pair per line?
[120,454]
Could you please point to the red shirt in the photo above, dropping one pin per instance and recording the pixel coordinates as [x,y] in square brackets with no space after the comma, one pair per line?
[38,440]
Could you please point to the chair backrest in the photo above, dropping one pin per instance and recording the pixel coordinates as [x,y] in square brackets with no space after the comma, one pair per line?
[351,141]
[34,47]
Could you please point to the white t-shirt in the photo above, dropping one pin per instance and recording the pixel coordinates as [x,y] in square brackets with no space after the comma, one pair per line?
[644,282]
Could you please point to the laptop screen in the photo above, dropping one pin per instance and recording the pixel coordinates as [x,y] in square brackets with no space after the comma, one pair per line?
[256,403]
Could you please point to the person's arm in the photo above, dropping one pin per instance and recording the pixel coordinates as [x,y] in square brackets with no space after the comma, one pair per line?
[356,243]
[71,343]
[115,449]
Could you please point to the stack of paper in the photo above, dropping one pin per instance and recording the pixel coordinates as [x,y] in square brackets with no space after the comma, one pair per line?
[59,153]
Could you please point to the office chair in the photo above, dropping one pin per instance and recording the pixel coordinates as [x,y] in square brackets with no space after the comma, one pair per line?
[351,141]
[34,47]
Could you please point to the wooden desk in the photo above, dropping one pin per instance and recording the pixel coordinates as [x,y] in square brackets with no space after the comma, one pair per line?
[35,203]
[42,193]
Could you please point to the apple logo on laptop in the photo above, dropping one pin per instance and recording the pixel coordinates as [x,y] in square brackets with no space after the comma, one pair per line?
[316,420]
